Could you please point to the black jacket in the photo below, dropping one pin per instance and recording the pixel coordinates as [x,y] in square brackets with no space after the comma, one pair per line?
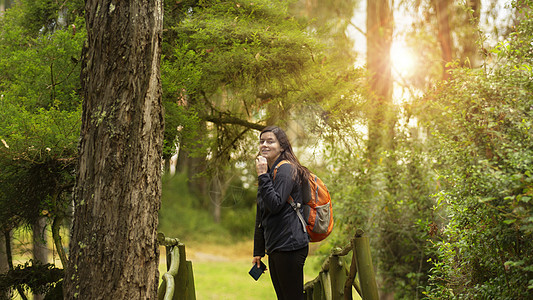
[277,227]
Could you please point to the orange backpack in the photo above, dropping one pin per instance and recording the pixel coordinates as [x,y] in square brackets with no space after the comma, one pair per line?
[317,218]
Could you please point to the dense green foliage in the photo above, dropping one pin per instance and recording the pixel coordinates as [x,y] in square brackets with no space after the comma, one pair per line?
[40,47]
[390,201]
[39,108]
[229,68]
[482,141]
[242,64]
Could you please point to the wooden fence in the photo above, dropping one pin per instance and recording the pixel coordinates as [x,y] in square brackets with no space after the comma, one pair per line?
[335,280]
[178,281]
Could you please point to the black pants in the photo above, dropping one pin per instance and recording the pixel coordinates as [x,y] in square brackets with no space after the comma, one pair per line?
[287,273]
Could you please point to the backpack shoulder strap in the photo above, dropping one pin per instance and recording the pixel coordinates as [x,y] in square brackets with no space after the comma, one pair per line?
[279,165]
[294,205]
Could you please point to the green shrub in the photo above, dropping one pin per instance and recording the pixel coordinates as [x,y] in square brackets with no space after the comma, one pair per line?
[481,122]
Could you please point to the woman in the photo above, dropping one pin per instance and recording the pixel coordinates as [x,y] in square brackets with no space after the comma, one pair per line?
[278,231]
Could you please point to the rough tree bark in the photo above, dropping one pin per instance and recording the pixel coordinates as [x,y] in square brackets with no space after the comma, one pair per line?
[113,249]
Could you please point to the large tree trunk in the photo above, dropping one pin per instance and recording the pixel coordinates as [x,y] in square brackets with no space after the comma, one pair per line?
[379,27]
[442,7]
[113,250]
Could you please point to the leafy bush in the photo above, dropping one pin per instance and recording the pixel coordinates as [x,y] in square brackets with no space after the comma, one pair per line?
[484,148]
[388,199]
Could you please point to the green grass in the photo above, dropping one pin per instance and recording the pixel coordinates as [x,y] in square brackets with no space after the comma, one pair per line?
[230,280]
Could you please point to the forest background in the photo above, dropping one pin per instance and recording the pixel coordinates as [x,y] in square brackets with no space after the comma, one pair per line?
[423,135]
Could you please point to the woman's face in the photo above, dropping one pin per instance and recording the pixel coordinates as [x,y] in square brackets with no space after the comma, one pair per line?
[269,147]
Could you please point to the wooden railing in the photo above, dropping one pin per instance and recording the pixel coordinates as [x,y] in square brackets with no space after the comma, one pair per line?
[178,281]
[335,281]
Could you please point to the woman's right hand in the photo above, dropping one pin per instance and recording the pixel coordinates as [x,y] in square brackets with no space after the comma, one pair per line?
[257,261]
[261,165]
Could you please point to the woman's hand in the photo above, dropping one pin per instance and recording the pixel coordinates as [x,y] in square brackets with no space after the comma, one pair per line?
[257,261]
[261,165]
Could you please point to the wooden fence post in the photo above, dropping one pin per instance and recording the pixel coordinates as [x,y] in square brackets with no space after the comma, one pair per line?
[313,290]
[326,285]
[335,281]
[178,282]
[365,268]
[167,289]
[184,287]
[318,291]
[338,277]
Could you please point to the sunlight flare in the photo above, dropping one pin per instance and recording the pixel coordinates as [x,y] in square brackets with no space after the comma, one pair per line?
[403,60]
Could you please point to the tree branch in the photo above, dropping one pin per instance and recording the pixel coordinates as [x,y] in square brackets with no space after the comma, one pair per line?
[357,28]
[57,240]
[228,119]
[234,121]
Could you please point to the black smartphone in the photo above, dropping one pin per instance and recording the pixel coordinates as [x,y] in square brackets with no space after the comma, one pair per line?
[256,272]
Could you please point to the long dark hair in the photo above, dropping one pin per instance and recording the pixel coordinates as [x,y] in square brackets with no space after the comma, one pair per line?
[287,153]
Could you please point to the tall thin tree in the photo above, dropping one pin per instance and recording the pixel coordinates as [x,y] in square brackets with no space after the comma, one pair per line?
[472,36]
[442,8]
[113,249]
[40,250]
[379,24]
